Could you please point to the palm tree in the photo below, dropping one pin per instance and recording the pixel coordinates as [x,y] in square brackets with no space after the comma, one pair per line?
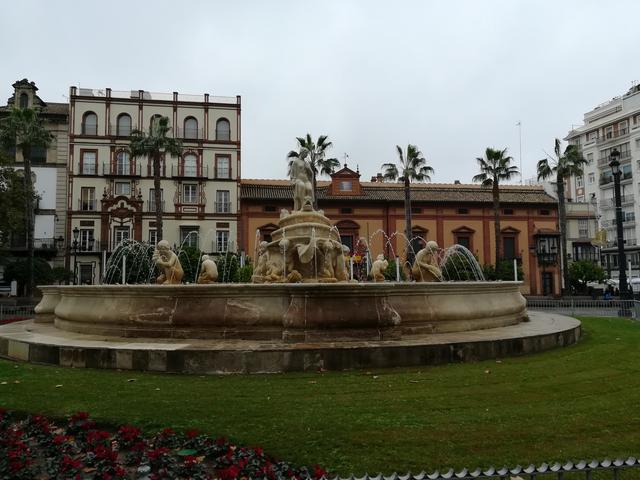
[563,166]
[153,145]
[411,167]
[23,129]
[494,168]
[314,155]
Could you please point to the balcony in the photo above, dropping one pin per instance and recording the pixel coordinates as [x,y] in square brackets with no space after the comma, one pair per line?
[222,207]
[611,202]
[87,169]
[606,179]
[608,137]
[180,171]
[131,169]
[19,243]
[545,258]
[189,133]
[604,161]
[88,205]
[151,206]
[123,132]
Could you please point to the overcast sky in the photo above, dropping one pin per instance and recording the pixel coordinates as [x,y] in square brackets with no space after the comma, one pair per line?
[451,77]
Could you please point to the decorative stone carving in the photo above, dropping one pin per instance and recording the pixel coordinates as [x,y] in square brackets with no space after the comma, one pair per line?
[425,267]
[168,263]
[302,177]
[378,268]
[208,271]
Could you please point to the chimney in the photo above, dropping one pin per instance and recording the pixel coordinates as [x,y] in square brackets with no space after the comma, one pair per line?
[456,182]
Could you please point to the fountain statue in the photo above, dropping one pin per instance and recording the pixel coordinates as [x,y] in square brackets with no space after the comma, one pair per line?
[425,267]
[168,262]
[208,271]
[378,268]
[306,248]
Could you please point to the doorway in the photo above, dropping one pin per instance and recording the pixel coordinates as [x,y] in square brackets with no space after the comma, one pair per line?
[547,283]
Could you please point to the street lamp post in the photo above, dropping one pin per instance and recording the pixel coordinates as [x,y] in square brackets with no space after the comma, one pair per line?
[622,262]
[76,234]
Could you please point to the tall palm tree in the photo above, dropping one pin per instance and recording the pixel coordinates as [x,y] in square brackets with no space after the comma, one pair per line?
[153,145]
[314,155]
[24,130]
[411,167]
[494,168]
[564,165]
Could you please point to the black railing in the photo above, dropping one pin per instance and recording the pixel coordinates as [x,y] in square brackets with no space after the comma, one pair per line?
[190,171]
[151,206]
[131,169]
[222,207]
[88,205]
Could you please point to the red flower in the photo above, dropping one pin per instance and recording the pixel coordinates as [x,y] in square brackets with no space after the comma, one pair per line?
[230,473]
[153,454]
[319,472]
[104,453]
[192,433]
[69,463]
[128,433]
[58,439]
[167,432]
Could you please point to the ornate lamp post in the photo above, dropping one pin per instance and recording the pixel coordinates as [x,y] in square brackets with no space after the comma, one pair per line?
[622,261]
[74,245]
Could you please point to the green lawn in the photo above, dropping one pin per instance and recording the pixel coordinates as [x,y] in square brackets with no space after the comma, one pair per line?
[577,402]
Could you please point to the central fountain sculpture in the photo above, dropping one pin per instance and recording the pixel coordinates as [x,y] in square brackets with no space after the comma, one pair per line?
[301,292]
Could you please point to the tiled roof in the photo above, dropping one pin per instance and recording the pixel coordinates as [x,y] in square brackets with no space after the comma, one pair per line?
[50,108]
[371,191]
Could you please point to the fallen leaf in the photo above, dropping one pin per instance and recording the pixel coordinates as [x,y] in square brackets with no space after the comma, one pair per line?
[131,380]
[374,377]
[58,386]
[498,361]
[16,381]
[414,381]
[157,389]
[487,371]
[3,383]
[312,381]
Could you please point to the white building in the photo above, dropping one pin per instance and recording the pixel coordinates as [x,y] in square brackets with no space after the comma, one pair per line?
[613,124]
[111,195]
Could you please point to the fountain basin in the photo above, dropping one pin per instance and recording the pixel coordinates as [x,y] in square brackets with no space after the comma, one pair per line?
[290,312]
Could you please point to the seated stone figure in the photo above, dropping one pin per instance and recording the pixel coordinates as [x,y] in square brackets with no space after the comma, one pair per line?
[208,271]
[425,267]
[378,268]
[168,262]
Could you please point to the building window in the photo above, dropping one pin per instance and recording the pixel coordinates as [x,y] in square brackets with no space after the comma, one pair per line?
[347,241]
[123,188]
[86,273]
[589,158]
[583,228]
[345,185]
[222,240]
[223,205]
[190,165]
[222,167]
[123,165]
[189,193]
[38,154]
[270,208]
[544,211]
[120,234]
[629,216]
[464,240]
[416,210]
[507,211]
[123,125]
[189,237]
[153,237]
[346,210]
[152,200]
[608,132]
[223,130]
[86,239]
[24,100]
[88,199]
[623,127]
[90,124]
[153,122]
[88,162]
[190,127]
[579,182]
[591,178]
[509,247]
[463,211]
[592,135]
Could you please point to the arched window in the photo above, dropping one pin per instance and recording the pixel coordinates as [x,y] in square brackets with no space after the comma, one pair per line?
[349,233]
[90,124]
[223,129]
[190,165]
[152,123]
[123,165]
[418,238]
[24,100]
[190,127]
[123,125]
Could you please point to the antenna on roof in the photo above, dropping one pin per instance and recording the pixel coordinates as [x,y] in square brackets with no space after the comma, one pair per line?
[345,156]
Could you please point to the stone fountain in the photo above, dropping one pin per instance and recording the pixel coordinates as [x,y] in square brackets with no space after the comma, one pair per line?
[301,312]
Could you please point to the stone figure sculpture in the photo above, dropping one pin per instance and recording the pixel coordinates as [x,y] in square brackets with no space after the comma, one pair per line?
[208,271]
[378,268]
[425,267]
[302,177]
[168,262]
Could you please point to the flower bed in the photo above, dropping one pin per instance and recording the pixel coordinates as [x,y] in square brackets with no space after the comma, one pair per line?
[36,448]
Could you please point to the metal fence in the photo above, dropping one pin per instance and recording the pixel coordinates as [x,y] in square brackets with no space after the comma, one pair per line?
[587,307]
[606,468]
[13,313]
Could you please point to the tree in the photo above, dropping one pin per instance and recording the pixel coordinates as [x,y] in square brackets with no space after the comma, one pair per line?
[411,167]
[13,200]
[314,155]
[23,272]
[583,272]
[562,166]
[23,129]
[153,145]
[494,168]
